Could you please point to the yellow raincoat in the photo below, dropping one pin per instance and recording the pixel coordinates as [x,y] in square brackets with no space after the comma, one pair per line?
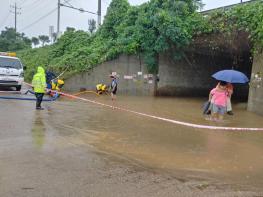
[39,80]
[101,88]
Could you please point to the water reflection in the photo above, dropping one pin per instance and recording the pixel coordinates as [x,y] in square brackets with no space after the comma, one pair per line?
[235,156]
[38,130]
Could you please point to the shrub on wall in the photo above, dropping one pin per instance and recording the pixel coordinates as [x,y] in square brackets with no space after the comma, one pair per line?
[144,30]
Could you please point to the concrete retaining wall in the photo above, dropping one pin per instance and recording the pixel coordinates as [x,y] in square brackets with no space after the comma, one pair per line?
[128,66]
[255,101]
[191,76]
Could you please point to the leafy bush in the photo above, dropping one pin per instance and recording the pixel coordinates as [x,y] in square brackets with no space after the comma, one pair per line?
[10,40]
[146,30]
[243,18]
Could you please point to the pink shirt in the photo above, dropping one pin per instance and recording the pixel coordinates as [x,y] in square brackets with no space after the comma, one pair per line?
[219,97]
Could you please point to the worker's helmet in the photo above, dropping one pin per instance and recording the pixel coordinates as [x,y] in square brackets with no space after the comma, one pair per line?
[60,83]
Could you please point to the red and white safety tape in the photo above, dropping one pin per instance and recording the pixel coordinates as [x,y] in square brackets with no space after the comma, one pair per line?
[197,126]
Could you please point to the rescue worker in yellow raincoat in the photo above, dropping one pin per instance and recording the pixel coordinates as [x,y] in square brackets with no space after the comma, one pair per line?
[39,86]
[56,85]
[101,88]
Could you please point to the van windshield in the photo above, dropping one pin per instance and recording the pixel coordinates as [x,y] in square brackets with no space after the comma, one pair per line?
[10,63]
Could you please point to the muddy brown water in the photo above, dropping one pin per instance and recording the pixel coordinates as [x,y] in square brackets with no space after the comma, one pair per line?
[234,157]
[231,157]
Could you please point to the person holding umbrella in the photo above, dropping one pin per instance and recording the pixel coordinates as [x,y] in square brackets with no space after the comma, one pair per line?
[218,98]
[230,77]
[229,88]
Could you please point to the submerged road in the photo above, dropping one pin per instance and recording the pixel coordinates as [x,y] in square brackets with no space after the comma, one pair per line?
[75,148]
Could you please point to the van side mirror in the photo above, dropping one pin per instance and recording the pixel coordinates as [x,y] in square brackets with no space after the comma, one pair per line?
[24,67]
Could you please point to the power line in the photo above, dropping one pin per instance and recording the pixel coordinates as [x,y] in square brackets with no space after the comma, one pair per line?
[58,17]
[36,8]
[68,6]
[58,20]
[23,2]
[79,9]
[31,4]
[67,2]
[15,12]
[39,19]
[55,9]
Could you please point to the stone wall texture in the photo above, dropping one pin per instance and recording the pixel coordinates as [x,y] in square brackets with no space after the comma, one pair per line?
[191,76]
[255,101]
[128,66]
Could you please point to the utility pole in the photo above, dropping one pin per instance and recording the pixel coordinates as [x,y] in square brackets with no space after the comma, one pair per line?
[58,22]
[99,13]
[16,13]
[79,9]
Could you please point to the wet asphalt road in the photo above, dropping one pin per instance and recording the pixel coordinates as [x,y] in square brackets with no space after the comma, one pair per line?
[65,150]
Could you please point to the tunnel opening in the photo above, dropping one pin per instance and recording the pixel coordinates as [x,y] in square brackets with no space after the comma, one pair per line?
[191,75]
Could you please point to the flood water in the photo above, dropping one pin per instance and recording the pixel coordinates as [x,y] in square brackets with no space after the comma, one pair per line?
[227,156]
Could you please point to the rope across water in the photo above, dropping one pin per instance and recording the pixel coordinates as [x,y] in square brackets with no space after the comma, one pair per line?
[197,126]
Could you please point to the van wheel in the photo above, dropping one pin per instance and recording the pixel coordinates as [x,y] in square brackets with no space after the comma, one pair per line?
[18,88]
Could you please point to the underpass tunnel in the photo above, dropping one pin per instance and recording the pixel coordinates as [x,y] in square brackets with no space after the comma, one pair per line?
[191,75]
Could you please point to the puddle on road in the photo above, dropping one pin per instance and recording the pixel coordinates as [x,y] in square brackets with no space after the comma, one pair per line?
[233,156]
[38,130]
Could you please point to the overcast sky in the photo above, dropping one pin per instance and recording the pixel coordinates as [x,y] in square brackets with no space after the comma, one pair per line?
[37,15]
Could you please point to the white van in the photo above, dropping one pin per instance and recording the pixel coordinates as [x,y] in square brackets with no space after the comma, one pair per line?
[11,71]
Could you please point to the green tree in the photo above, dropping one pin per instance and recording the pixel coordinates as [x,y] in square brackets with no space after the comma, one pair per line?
[147,30]
[92,25]
[54,37]
[10,40]
[243,18]
[44,39]
[35,41]
[116,13]
[163,25]
[70,29]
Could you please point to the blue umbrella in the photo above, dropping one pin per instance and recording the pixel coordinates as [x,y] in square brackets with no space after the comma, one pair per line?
[231,76]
